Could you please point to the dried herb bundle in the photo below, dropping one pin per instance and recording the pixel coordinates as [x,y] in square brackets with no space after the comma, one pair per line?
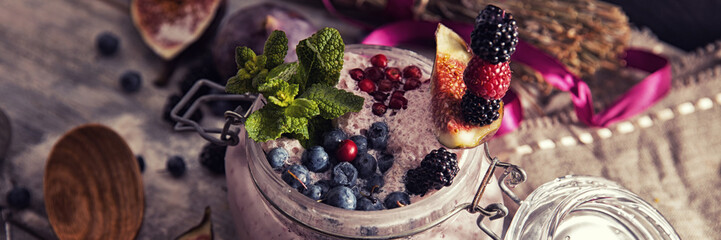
[585,35]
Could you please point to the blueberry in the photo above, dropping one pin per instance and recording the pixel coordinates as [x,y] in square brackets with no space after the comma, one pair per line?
[378,135]
[18,198]
[333,138]
[212,157]
[369,204]
[385,162]
[365,164]
[375,183]
[176,166]
[141,162]
[316,159]
[396,200]
[277,157]
[324,185]
[357,191]
[131,81]
[342,197]
[313,192]
[361,143]
[107,43]
[297,176]
[344,174]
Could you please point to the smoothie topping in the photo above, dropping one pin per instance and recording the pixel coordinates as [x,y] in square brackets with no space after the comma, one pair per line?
[302,97]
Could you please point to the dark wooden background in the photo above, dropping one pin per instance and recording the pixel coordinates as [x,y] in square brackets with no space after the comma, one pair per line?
[52,79]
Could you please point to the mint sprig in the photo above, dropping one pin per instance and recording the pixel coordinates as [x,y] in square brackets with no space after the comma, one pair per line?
[333,102]
[301,95]
[321,56]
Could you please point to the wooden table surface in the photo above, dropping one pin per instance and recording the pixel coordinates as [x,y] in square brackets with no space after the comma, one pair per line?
[52,78]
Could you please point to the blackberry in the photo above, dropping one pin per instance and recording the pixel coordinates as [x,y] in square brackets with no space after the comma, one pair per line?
[437,170]
[494,35]
[479,111]
[213,158]
[417,181]
[442,166]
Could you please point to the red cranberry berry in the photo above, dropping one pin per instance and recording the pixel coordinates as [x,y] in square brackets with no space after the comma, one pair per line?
[412,72]
[393,74]
[395,103]
[347,151]
[379,60]
[385,85]
[367,86]
[374,73]
[379,96]
[357,74]
[379,109]
[398,93]
[411,83]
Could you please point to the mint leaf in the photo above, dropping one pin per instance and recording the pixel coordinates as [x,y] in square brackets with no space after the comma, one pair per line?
[299,78]
[333,102]
[316,127]
[302,108]
[297,126]
[321,56]
[279,92]
[242,55]
[275,48]
[239,84]
[265,124]
[252,72]
[284,71]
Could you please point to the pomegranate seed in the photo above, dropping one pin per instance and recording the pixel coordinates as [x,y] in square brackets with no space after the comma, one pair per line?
[412,72]
[385,85]
[357,74]
[397,85]
[374,73]
[379,96]
[367,85]
[395,103]
[411,84]
[405,102]
[379,109]
[393,74]
[379,60]
[397,93]
[347,151]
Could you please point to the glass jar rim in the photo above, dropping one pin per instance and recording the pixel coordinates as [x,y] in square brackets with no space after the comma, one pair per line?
[553,202]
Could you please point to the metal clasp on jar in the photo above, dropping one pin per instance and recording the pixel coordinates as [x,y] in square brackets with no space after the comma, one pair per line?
[227,136]
[496,210]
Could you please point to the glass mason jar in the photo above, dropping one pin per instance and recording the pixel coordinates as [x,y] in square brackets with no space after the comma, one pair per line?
[265,207]
[582,207]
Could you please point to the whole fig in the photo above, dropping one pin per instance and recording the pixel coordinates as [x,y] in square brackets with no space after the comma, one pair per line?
[251,26]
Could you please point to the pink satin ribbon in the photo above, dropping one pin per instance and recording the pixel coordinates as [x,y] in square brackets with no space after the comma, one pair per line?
[641,96]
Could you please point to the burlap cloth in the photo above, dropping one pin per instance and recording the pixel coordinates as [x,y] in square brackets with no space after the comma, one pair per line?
[669,155]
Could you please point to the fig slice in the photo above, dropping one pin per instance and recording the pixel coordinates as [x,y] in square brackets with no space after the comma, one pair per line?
[447,89]
[203,231]
[168,27]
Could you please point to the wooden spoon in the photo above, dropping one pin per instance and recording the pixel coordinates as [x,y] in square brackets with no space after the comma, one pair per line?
[92,186]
